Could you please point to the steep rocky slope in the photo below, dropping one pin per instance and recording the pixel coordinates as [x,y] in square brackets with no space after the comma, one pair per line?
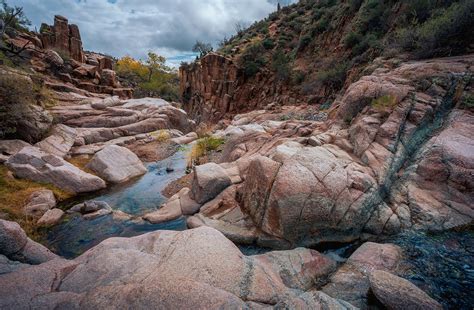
[307,52]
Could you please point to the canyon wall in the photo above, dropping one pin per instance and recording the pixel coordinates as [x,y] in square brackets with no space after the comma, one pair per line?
[215,87]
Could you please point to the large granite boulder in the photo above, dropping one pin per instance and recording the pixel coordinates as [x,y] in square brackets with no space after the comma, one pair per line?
[51,217]
[196,268]
[209,180]
[33,164]
[116,164]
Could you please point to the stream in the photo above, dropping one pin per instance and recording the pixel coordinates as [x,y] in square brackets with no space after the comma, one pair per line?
[75,235]
[441,263]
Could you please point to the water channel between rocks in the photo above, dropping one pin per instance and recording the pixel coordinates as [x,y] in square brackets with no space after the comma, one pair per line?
[141,195]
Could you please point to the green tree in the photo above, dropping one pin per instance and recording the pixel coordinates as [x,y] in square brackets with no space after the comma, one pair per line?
[154,63]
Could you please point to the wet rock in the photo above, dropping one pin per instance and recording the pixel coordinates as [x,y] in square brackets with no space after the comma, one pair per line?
[33,164]
[116,164]
[209,180]
[397,293]
[51,217]
[59,142]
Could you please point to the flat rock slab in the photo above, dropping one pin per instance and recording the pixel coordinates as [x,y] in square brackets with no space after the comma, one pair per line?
[59,142]
[33,164]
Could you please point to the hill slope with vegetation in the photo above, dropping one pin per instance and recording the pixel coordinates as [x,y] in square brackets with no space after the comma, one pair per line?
[309,51]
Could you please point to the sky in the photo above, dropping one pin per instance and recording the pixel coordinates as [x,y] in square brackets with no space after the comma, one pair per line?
[134,27]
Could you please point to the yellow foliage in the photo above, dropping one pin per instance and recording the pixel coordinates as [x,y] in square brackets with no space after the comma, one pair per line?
[161,135]
[128,65]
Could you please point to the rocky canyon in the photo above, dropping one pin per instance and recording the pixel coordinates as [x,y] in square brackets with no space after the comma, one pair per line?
[315,160]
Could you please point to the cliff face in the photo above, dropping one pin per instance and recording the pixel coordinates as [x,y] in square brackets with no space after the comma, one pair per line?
[215,87]
[63,37]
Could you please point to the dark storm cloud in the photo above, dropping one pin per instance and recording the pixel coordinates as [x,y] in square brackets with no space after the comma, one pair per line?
[169,27]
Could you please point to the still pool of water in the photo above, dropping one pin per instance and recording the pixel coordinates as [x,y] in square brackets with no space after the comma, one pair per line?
[75,235]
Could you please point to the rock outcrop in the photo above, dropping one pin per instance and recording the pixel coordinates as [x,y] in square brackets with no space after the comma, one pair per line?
[33,164]
[158,266]
[376,169]
[63,37]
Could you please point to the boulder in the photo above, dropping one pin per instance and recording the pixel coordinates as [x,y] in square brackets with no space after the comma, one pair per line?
[12,238]
[209,180]
[351,281]
[15,245]
[399,294]
[171,210]
[51,217]
[33,164]
[108,78]
[116,164]
[40,202]
[59,142]
[92,209]
[53,58]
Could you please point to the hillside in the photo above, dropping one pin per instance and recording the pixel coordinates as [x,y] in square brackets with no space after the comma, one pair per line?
[309,51]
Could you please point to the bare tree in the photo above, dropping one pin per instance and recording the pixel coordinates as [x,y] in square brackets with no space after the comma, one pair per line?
[202,48]
[11,18]
[240,27]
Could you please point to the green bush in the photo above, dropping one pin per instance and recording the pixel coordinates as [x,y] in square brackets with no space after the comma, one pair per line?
[252,59]
[333,77]
[446,31]
[304,42]
[268,44]
[352,39]
[281,65]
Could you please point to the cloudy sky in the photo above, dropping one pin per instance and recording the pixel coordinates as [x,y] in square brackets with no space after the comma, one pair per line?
[133,27]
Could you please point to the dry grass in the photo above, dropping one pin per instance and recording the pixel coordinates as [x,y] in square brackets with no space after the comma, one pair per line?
[202,148]
[81,163]
[14,194]
[384,102]
[162,135]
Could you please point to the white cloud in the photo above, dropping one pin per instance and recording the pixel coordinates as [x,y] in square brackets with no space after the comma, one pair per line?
[169,27]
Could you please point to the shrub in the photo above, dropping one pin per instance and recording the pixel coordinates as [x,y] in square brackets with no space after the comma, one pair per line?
[298,77]
[280,64]
[252,59]
[468,102]
[203,147]
[447,30]
[384,102]
[335,76]
[16,96]
[352,39]
[268,44]
[304,42]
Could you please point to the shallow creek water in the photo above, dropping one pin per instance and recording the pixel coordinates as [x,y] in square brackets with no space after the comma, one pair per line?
[75,235]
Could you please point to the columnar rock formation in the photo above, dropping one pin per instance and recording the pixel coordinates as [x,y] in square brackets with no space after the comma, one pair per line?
[63,37]
[215,87]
